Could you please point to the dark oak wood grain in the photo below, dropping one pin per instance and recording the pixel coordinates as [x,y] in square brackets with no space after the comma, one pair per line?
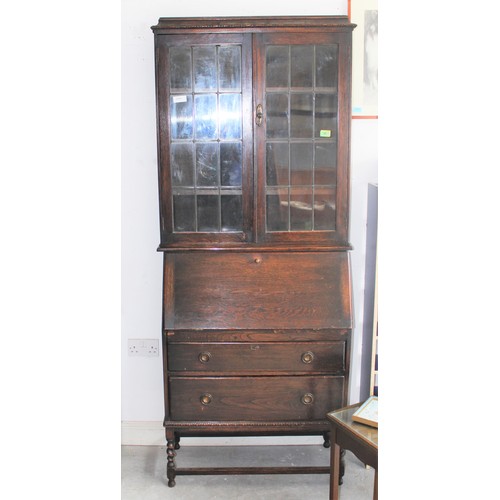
[257,322]
[247,357]
[248,291]
[292,335]
[253,24]
[255,398]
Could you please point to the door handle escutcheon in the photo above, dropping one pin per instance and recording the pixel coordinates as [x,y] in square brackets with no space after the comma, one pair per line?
[258,115]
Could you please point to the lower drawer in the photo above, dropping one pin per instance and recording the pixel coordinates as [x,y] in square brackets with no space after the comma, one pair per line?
[254,398]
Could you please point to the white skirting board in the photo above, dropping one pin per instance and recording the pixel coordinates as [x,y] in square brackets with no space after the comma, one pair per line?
[153,434]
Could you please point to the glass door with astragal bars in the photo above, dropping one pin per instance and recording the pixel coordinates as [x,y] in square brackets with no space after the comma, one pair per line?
[301,169]
[207,162]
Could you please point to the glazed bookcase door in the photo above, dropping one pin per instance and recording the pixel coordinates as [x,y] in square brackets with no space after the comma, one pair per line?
[302,161]
[204,102]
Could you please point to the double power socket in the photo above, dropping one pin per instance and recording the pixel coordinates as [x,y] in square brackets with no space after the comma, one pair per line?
[143,347]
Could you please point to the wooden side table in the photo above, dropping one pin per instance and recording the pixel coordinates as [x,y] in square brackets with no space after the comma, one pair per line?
[361,439]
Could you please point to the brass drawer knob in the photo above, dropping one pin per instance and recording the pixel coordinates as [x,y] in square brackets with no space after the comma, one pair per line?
[307,357]
[206,399]
[204,357]
[307,399]
[257,260]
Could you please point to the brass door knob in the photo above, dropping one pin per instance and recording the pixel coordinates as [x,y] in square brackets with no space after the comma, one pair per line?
[204,357]
[307,399]
[307,357]
[206,399]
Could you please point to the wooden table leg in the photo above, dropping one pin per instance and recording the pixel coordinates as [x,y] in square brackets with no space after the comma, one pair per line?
[170,458]
[375,486]
[335,470]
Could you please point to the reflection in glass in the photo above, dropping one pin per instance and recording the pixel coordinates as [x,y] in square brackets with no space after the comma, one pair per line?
[230,68]
[301,131]
[206,130]
[208,212]
[277,209]
[277,66]
[324,208]
[184,213]
[205,68]
[326,66]
[180,68]
[277,164]
[231,213]
[301,162]
[230,116]
[302,58]
[230,163]
[301,209]
[301,115]
[181,117]
[277,115]
[325,162]
[206,116]
[182,164]
[325,114]
[206,164]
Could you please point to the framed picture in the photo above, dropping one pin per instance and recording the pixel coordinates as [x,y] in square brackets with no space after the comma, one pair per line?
[364,13]
[367,413]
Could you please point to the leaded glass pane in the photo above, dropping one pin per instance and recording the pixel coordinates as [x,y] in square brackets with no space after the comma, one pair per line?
[324,208]
[182,165]
[325,115]
[301,115]
[205,68]
[325,161]
[277,116]
[206,150]
[181,117]
[230,116]
[302,59]
[207,212]
[184,213]
[207,161]
[230,163]
[231,212]
[301,137]
[277,66]
[301,163]
[206,116]
[277,155]
[230,68]
[326,66]
[277,202]
[180,69]
[301,211]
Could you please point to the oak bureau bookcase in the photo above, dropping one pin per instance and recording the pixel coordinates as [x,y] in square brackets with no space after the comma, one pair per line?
[253,151]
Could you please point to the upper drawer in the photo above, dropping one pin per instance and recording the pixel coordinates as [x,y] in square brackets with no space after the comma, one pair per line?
[328,357]
[258,290]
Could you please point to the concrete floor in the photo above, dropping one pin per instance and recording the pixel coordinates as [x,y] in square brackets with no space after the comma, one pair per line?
[144,477]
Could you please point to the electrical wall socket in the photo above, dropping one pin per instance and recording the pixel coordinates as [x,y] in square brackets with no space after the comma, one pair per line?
[143,347]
